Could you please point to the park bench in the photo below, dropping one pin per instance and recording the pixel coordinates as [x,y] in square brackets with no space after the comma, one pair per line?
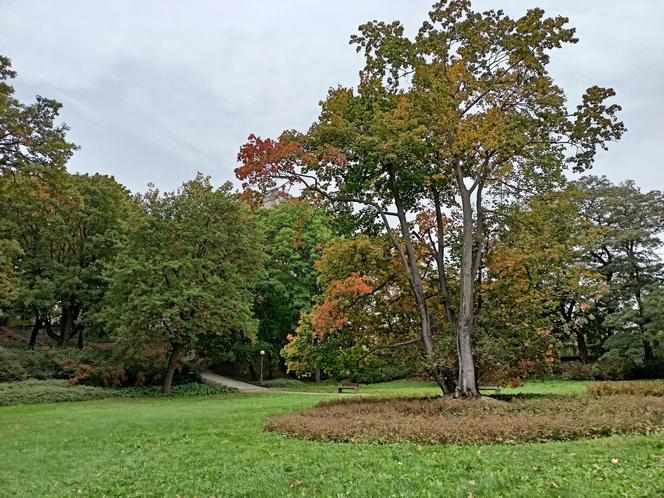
[495,389]
[348,386]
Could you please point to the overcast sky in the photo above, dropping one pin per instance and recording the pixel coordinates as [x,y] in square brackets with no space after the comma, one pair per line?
[157,90]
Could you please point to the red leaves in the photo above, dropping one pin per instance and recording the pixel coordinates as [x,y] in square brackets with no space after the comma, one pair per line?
[265,160]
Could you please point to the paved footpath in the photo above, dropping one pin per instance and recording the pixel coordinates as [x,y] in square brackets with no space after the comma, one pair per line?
[243,387]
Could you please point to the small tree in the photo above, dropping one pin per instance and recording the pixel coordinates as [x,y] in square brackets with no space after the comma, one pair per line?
[187,271]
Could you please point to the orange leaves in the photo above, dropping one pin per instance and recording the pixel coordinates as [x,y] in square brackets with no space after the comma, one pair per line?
[263,159]
[354,286]
[340,295]
[327,318]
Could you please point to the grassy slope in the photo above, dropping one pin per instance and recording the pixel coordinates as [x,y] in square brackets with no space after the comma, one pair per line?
[215,446]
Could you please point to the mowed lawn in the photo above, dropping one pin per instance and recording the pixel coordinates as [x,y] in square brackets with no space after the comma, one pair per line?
[216,447]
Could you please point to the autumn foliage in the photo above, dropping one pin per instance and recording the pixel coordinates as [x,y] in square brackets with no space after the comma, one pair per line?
[485,421]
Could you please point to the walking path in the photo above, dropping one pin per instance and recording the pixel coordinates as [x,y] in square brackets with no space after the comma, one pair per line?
[243,387]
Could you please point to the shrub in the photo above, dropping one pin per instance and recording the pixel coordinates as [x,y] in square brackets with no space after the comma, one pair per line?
[482,421]
[47,391]
[11,368]
[600,370]
[188,389]
[282,383]
[629,388]
[54,391]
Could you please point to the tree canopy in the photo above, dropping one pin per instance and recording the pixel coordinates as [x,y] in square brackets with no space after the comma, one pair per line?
[464,110]
[187,271]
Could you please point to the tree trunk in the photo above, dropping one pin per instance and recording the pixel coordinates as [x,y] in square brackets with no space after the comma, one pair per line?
[176,351]
[467,384]
[79,342]
[49,330]
[440,261]
[409,261]
[35,331]
[647,350]
[583,348]
[66,325]
[317,374]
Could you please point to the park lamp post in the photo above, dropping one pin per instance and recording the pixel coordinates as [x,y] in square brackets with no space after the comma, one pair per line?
[262,356]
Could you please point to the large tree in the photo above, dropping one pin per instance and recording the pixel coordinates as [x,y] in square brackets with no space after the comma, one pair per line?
[295,233]
[187,272]
[631,223]
[67,231]
[462,111]
[32,143]
[537,272]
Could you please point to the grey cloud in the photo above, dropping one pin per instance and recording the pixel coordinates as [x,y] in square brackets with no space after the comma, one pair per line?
[157,90]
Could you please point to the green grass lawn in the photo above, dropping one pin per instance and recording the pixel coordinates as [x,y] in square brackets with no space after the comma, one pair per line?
[215,446]
[413,387]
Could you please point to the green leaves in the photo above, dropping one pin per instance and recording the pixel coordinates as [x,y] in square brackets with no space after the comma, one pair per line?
[188,269]
[30,140]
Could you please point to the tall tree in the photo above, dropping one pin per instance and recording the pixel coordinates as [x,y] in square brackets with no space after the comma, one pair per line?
[464,110]
[31,143]
[295,233]
[537,272]
[187,271]
[627,256]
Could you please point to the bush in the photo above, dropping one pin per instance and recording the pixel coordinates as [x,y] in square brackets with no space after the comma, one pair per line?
[189,389]
[47,391]
[600,370]
[630,388]
[482,421]
[283,383]
[91,366]
[11,368]
[55,391]
[23,363]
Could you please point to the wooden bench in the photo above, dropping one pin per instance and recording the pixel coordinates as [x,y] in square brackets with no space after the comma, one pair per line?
[495,389]
[348,386]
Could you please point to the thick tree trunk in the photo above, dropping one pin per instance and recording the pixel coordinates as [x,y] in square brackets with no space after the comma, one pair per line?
[317,374]
[35,331]
[176,351]
[583,348]
[467,384]
[66,325]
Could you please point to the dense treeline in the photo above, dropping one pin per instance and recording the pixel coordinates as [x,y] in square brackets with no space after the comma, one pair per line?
[435,233]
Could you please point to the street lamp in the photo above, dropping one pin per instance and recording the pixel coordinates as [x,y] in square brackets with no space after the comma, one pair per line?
[262,356]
